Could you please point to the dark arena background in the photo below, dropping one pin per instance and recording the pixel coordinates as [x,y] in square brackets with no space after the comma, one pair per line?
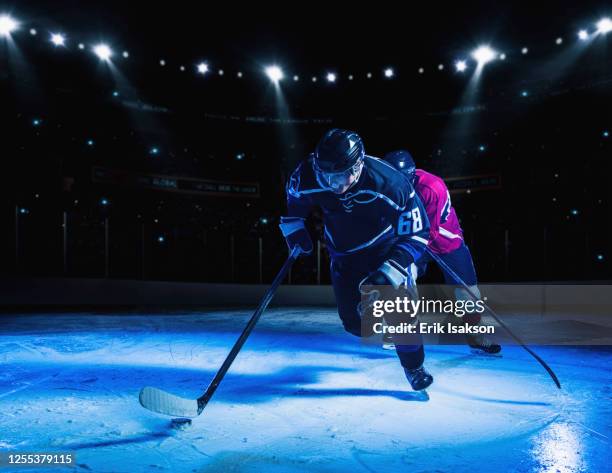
[146,150]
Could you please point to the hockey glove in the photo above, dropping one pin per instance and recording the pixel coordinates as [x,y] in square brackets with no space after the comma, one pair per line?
[392,274]
[295,233]
[389,273]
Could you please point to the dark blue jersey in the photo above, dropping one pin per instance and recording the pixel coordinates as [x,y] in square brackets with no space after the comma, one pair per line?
[381,205]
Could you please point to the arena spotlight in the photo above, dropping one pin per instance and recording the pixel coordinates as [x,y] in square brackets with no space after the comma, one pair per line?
[460,66]
[524,50]
[125,54]
[7,25]
[331,77]
[58,39]
[559,40]
[202,68]
[389,73]
[33,31]
[275,73]
[81,46]
[583,35]
[483,54]
[103,51]
[502,56]
[604,25]
[296,78]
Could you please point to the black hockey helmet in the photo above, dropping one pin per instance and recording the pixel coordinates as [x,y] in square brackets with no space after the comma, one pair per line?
[338,151]
[403,162]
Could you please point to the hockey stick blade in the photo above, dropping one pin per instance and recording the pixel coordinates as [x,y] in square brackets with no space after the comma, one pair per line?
[163,402]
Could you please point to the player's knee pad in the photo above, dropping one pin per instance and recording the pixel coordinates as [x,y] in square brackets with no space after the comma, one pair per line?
[353,324]
[356,330]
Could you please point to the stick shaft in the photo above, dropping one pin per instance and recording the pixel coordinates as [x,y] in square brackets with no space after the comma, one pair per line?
[460,281]
[214,384]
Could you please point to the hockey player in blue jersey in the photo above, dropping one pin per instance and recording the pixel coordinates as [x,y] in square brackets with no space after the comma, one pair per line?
[375,229]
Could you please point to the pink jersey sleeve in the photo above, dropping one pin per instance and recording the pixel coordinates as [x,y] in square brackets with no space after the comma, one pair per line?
[431,202]
[445,232]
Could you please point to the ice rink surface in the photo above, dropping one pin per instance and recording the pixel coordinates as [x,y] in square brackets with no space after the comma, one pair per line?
[302,396]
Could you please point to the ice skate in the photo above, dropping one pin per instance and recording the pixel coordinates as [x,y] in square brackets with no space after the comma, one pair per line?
[418,378]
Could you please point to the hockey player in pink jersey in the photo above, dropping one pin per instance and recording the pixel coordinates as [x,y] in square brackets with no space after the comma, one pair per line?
[445,237]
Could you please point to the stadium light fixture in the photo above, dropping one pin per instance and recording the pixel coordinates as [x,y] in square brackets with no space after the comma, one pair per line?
[460,66]
[604,25]
[483,55]
[7,25]
[274,73]
[103,51]
[58,39]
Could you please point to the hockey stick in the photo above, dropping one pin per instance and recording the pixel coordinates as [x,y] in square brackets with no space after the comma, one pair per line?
[456,277]
[163,402]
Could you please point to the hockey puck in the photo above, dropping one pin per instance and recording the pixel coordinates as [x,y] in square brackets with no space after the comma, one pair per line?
[180,423]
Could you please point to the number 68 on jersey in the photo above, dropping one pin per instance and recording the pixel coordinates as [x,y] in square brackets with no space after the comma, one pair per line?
[409,222]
